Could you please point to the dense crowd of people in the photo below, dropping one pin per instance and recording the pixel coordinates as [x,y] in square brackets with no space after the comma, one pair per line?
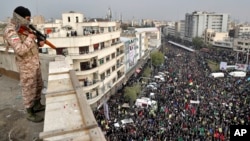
[191,106]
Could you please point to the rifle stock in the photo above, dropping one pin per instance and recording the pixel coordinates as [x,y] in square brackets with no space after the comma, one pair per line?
[50,44]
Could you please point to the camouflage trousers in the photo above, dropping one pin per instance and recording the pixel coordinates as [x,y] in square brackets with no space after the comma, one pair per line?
[31,83]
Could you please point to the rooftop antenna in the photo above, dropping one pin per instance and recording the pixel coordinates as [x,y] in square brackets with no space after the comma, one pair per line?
[109,15]
[121,17]
[36,8]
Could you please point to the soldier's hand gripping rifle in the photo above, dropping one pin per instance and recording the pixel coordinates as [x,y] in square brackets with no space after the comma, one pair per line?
[39,35]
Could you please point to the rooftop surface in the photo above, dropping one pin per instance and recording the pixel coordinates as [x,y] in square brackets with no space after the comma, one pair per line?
[13,123]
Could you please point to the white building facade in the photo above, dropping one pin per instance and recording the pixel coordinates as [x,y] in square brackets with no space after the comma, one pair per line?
[242,31]
[93,49]
[217,39]
[197,22]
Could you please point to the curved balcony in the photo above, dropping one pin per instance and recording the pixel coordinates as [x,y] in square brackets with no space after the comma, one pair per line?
[94,53]
[91,86]
[87,72]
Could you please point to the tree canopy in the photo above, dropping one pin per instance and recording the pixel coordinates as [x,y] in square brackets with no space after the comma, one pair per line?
[147,72]
[198,42]
[131,93]
[157,58]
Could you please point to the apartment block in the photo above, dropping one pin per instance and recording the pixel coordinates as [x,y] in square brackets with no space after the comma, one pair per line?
[93,48]
[217,39]
[197,22]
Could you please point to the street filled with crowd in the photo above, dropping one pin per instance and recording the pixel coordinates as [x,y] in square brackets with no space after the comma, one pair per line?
[191,106]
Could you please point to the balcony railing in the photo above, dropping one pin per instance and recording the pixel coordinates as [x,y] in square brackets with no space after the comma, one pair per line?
[115,43]
[89,85]
[120,75]
[89,54]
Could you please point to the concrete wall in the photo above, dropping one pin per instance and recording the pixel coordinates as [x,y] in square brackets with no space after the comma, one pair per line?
[9,68]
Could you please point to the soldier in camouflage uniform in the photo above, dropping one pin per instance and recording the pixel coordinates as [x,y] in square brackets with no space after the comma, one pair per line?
[27,59]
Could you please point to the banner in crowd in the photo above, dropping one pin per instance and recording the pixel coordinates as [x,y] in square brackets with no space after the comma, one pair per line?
[242,67]
[195,101]
[223,65]
[106,110]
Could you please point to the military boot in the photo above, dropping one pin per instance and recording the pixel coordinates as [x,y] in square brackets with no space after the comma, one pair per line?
[38,106]
[31,116]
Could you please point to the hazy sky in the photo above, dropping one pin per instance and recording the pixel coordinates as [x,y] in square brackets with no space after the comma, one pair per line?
[170,10]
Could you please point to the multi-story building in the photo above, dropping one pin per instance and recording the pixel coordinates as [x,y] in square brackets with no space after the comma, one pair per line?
[169,30]
[197,22]
[93,48]
[217,39]
[137,42]
[131,54]
[182,29]
[152,35]
[242,31]
[241,44]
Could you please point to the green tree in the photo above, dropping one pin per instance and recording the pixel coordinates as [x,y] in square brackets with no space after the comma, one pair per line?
[198,42]
[157,58]
[146,72]
[137,88]
[209,45]
[130,94]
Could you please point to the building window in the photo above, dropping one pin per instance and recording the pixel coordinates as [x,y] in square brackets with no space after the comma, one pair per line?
[101,29]
[113,68]
[60,51]
[102,45]
[113,55]
[102,76]
[107,58]
[76,19]
[69,19]
[96,46]
[84,66]
[83,50]
[108,72]
[89,95]
[101,61]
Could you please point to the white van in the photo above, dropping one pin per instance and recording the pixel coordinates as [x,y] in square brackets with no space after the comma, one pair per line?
[238,74]
[145,102]
[217,74]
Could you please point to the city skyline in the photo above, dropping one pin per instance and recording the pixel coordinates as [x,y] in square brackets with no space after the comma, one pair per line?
[168,10]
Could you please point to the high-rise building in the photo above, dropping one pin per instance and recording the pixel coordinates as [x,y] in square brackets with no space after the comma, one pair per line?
[197,22]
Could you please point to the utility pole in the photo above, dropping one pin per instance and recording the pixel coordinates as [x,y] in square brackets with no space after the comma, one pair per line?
[247,55]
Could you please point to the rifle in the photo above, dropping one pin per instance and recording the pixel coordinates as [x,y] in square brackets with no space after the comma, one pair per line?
[40,37]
